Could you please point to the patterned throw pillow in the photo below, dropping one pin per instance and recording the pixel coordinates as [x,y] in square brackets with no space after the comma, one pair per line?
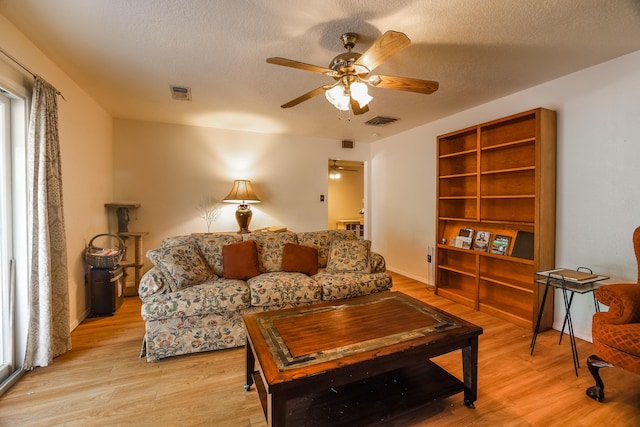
[270,248]
[177,240]
[349,256]
[321,240]
[182,264]
[240,260]
[300,259]
[211,247]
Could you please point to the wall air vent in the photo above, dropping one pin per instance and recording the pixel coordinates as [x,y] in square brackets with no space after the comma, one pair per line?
[380,121]
[180,93]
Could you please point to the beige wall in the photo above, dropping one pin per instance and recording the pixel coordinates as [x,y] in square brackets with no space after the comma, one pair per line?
[168,169]
[85,141]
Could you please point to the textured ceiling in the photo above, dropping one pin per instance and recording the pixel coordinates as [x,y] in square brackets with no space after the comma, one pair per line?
[125,54]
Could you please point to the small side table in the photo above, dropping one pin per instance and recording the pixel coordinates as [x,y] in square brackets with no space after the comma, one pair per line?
[571,282]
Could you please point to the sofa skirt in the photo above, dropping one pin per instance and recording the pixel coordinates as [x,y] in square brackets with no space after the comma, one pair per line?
[193,334]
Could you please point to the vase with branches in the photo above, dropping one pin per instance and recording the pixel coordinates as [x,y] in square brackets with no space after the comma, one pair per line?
[209,208]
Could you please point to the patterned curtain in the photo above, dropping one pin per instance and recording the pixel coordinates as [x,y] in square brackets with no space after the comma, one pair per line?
[48,334]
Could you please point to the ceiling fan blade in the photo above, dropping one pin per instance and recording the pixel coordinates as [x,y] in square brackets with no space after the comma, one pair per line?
[300,65]
[355,107]
[404,83]
[386,46]
[302,98]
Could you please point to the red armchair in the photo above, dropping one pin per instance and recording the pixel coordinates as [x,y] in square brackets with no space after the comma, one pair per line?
[616,333]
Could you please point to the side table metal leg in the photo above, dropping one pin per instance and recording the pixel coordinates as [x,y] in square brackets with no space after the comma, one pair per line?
[572,338]
[564,323]
[540,311]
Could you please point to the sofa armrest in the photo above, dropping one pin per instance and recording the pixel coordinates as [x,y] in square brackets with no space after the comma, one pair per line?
[623,301]
[152,283]
[377,263]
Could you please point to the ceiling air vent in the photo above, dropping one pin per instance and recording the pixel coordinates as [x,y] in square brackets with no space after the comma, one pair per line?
[181,93]
[380,121]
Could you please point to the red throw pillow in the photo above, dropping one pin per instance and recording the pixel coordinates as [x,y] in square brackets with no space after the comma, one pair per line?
[240,260]
[298,258]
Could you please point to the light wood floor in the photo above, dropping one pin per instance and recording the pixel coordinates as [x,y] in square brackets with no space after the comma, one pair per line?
[102,382]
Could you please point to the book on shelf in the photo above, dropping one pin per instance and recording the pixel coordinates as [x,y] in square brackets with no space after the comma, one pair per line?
[482,240]
[465,238]
[523,245]
[500,244]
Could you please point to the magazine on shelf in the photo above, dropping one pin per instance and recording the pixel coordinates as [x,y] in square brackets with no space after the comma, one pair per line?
[500,244]
[523,245]
[482,240]
[465,237]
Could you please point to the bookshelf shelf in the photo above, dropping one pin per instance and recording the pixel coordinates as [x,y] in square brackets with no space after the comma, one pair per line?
[498,177]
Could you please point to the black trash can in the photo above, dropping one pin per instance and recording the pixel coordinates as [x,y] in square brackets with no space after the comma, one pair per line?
[106,290]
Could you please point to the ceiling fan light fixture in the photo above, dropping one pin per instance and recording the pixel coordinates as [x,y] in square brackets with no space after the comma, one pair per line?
[359,92]
[337,96]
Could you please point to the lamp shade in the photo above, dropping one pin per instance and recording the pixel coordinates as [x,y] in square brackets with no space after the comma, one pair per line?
[241,192]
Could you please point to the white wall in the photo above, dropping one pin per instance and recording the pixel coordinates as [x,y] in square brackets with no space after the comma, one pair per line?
[598,201]
[168,169]
[85,141]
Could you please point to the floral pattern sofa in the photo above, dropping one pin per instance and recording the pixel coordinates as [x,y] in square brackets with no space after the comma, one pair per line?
[200,285]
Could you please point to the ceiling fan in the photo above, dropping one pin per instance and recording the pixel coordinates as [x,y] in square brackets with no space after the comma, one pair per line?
[351,72]
[337,167]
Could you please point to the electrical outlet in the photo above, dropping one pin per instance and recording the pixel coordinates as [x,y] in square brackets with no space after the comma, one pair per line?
[322,197]
[429,258]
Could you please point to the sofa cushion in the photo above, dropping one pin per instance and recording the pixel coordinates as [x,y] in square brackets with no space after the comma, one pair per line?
[182,264]
[211,247]
[278,288]
[300,259]
[349,256]
[240,260]
[321,240]
[270,248]
[348,285]
[212,296]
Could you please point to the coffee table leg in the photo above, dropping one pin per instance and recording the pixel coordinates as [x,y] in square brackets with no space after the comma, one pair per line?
[470,372]
[250,364]
[276,409]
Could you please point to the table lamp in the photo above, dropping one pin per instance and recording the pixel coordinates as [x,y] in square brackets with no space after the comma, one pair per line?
[242,193]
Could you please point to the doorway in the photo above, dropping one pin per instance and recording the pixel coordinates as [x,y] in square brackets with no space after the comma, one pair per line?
[346,195]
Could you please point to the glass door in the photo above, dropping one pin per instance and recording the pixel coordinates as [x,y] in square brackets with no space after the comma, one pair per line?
[14,270]
[6,256]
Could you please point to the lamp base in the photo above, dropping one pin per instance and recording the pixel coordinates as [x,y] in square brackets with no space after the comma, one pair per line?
[243,216]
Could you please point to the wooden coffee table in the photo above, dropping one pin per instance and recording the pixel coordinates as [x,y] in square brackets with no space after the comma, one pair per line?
[352,361]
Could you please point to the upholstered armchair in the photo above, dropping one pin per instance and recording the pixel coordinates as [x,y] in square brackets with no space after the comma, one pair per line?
[616,333]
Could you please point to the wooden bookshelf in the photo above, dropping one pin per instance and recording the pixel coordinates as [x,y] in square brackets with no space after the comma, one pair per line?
[498,177]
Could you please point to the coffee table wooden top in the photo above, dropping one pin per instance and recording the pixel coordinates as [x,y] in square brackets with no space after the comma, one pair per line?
[302,342]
